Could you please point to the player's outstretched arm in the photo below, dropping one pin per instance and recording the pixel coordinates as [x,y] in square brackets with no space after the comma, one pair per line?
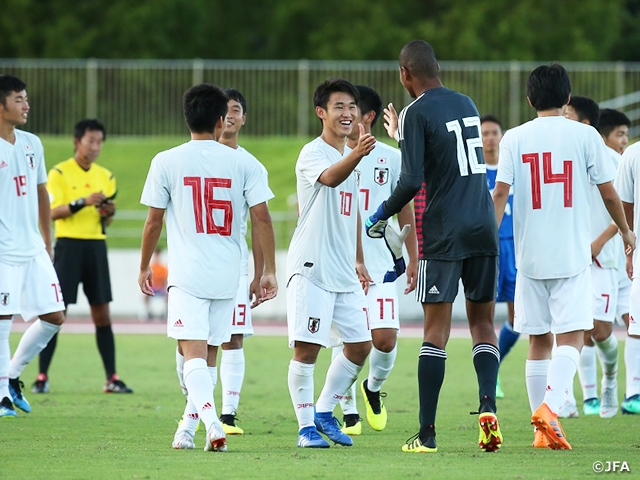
[615,209]
[339,171]
[44,216]
[500,198]
[150,237]
[391,121]
[266,239]
[255,289]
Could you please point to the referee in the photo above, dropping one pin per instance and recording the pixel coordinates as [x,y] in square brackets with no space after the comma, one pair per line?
[82,206]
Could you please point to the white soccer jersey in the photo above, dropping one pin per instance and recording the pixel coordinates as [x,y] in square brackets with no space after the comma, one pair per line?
[203,186]
[379,174]
[22,169]
[323,247]
[551,161]
[628,186]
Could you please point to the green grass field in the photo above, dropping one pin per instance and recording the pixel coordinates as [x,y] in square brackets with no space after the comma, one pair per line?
[77,432]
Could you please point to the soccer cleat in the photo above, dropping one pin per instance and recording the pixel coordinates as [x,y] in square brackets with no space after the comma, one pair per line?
[310,438]
[631,405]
[539,439]
[15,389]
[499,392]
[490,439]
[229,425]
[328,424]
[376,412]
[352,425]
[216,439]
[41,385]
[547,422]
[183,439]
[591,406]
[6,409]
[609,403]
[568,410]
[115,385]
[415,445]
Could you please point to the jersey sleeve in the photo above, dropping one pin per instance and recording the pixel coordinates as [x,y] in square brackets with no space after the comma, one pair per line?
[42,169]
[56,188]
[156,191]
[599,163]
[311,163]
[625,181]
[506,164]
[256,184]
[111,185]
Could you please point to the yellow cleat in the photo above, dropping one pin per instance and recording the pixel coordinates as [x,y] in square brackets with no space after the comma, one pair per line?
[415,445]
[229,425]
[376,412]
[352,425]
[490,439]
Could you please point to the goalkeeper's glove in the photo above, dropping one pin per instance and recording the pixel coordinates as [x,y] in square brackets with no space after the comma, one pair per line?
[394,244]
[374,226]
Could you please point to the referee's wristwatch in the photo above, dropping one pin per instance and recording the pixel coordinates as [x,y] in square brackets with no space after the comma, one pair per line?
[77,205]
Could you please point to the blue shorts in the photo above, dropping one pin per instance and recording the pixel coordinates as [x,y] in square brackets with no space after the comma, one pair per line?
[506,271]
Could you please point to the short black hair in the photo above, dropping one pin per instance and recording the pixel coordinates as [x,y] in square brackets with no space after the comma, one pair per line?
[203,105]
[489,117]
[586,109]
[9,84]
[331,85]
[419,58]
[610,119]
[233,94]
[548,87]
[369,100]
[89,124]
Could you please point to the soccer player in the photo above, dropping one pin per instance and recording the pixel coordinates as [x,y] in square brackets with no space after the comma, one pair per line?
[379,173]
[28,282]
[439,136]
[325,266]
[552,161]
[203,186]
[491,135]
[82,206]
[614,128]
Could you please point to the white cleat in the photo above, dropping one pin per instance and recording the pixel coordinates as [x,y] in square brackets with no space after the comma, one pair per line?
[568,410]
[216,439]
[183,440]
[609,401]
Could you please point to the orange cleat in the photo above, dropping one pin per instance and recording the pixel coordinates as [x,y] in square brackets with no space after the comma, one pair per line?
[539,440]
[547,422]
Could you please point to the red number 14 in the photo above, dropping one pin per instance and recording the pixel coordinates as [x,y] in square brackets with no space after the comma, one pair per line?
[566,178]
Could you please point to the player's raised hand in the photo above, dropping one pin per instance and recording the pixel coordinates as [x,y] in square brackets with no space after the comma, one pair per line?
[391,121]
[145,280]
[366,142]
[255,292]
[269,287]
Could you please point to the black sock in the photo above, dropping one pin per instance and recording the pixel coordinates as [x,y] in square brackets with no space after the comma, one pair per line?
[486,360]
[430,378]
[107,349]
[46,355]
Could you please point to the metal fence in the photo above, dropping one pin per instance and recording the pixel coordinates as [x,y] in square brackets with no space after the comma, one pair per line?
[142,97]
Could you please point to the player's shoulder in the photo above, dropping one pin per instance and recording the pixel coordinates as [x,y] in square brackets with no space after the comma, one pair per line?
[632,152]
[28,139]
[383,153]
[249,156]
[105,172]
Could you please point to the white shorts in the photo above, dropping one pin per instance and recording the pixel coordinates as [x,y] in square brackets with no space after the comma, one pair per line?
[383,306]
[31,288]
[624,291]
[241,323]
[317,316]
[634,308]
[192,318]
[558,305]
[604,282]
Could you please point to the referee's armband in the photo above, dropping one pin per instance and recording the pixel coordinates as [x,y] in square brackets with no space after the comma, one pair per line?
[77,205]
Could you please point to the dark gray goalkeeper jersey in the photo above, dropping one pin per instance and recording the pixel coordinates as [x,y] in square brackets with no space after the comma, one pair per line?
[441,144]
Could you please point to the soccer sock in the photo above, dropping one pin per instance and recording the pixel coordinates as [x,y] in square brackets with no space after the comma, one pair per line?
[536,372]
[180,371]
[430,377]
[486,360]
[340,376]
[562,370]
[300,379]
[46,355]
[107,349]
[348,402]
[198,382]
[5,357]
[608,355]
[507,339]
[232,365]
[632,363]
[588,372]
[380,365]
[33,340]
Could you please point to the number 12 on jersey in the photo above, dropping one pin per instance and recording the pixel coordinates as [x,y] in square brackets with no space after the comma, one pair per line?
[196,184]
[566,178]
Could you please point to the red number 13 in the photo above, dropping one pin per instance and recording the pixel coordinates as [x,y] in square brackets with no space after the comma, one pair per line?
[566,178]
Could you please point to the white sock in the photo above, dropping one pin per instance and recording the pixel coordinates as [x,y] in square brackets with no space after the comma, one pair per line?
[562,370]
[340,376]
[180,371]
[232,366]
[348,402]
[536,372]
[588,372]
[608,355]
[300,381]
[32,342]
[632,363]
[380,365]
[5,358]
[198,382]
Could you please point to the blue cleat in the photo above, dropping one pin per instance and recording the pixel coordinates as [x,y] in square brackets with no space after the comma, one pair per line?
[631,405]
[310,438]
[328,424]
[15,389]
[6,409]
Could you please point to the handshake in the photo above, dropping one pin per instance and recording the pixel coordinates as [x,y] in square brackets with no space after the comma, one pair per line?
[377,228]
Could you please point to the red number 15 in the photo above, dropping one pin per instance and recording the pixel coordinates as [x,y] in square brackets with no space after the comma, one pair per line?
[566,178]
[210,204]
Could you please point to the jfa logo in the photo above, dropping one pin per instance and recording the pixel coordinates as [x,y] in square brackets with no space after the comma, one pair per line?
[616,466]
[314,324]
[380,175]
[30,161]
[4,299]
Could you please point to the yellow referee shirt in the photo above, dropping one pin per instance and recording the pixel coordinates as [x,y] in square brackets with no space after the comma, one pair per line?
[68,182]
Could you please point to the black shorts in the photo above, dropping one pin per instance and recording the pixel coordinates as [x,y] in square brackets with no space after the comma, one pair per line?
[438,280]
[83,261]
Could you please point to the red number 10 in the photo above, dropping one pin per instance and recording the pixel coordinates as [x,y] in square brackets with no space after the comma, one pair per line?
[225,205]
[566,178]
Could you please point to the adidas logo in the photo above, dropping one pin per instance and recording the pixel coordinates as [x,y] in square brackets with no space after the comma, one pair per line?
[193,416]
[206,406]
[178,323]
[434,291]
[3,164]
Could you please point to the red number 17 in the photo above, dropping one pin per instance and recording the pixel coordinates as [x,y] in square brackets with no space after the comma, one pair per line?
[566,177]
